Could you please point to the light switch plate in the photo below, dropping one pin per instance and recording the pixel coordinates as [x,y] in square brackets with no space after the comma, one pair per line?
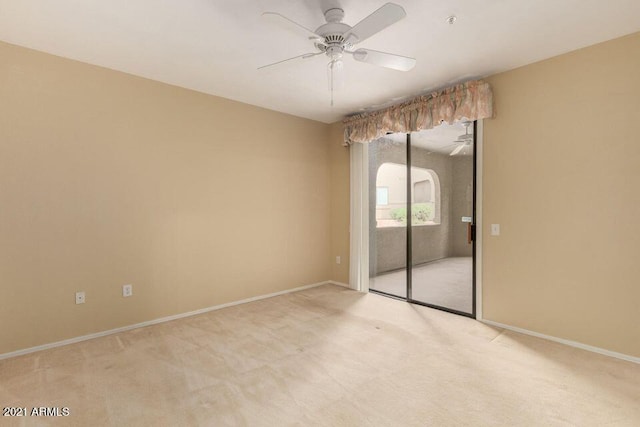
[495,229]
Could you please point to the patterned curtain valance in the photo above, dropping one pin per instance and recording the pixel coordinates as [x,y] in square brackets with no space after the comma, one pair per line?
[471,101]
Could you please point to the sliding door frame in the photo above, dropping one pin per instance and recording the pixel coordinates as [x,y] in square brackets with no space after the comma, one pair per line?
[359,229]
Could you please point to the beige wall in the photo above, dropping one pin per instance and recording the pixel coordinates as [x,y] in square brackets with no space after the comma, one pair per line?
[561,176]
[108,179]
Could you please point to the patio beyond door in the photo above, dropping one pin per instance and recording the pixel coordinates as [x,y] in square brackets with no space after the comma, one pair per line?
[422,217]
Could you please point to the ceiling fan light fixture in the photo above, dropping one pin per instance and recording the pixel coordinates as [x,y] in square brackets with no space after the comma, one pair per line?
[334,52]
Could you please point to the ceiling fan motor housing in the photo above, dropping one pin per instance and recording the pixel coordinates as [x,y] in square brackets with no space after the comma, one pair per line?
[332,29]
[335,14]
[332,32]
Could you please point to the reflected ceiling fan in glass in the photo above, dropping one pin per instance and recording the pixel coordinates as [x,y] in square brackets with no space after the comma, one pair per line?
[464,143]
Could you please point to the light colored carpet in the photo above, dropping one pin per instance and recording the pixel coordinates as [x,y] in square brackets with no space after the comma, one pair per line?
[325,356]
[446,282]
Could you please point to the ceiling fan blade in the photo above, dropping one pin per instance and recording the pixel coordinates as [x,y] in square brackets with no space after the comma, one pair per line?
[290,24]
[383,59]
[457,150]
[303,56]
[388,14]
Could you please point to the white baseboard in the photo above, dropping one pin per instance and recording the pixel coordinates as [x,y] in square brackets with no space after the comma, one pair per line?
[575,344]
[156,321]
[333,282]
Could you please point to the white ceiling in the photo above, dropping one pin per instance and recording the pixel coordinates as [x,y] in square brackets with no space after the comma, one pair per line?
[215,46]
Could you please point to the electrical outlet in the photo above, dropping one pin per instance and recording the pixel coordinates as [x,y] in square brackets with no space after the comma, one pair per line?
[80,297]
[127,290]
[338,259]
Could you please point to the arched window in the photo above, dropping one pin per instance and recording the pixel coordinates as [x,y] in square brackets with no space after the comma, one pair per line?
[391,196]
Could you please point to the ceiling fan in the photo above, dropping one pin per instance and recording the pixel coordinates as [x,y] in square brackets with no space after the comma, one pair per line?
[335,39]
[464,142]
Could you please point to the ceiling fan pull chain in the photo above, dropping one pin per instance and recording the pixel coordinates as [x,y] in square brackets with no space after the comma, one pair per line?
[331,84]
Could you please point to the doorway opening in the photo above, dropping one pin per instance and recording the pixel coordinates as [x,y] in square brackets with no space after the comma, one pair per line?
[422,214]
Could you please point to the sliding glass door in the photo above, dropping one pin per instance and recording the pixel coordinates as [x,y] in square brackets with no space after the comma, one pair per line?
[388,215]
[421,192]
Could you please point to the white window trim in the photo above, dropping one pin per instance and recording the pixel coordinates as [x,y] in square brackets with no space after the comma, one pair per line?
[359,232]
[479,157]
